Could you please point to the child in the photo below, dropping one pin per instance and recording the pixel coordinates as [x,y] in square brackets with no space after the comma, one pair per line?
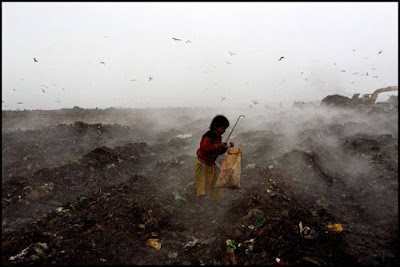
[210,148]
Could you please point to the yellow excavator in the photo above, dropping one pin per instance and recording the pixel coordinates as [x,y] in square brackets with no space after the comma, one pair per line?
[371,98]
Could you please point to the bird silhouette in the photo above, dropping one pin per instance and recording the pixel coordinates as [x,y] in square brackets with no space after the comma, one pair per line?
[301,72]
[305,79]
[102,62]
[380,52]
[366,74]
[176,39]
[150,78]
[132,80]
[34,59]
[20,103]
[232,54]
[250,106]
[375,77]
[222,99]
[334,63]
[188,41]
[255,102]
[281,58]
[14,89]
[227,62]
[43,91]
[354,50]
[343,71]
[63,89]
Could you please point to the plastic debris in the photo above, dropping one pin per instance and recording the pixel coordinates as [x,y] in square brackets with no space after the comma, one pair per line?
[20,255]
[230,249]
[178,197]
[337,227]
[154,242]
[192,243]
[306,231]
[62,210]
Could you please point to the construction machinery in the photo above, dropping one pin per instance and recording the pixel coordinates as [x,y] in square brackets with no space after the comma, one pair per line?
[371,98]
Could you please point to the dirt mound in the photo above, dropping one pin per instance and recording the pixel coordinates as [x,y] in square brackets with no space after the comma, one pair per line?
[336,101]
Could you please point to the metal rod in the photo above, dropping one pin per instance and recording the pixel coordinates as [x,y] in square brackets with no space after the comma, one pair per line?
[234,127]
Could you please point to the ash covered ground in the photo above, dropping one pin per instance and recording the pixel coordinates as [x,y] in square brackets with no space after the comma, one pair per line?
[91,186]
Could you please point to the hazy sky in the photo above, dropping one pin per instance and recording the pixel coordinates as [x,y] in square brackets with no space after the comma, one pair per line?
[134,40]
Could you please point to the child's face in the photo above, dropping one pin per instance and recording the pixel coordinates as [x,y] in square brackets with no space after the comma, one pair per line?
[220,130]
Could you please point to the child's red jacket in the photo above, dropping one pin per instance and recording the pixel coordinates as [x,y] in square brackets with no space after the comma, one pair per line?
[208,151]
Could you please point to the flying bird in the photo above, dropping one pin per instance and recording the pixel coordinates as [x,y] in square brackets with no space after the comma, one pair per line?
[14,89]
[43,91]
[19,103]
[188,41]
[354,50]
[232,54]
[255,102]
[176,39]
[222,99]
[366,74]
[380,52]
[334,63]
[150,78]
[132,80]
[227,62]
[250,106]
[343,71]
[102,62]
[375,77]
[34,59]
[62,89]
[281,58]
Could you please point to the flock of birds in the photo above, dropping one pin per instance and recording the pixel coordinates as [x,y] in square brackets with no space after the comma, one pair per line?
[254,102]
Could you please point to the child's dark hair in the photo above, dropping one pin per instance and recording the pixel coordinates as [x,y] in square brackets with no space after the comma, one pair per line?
[219,120]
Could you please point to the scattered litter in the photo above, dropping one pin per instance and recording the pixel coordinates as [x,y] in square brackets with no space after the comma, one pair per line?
[230,249]
[306,231]
[178,197]
[20,255]
[337,227]
[280,261]
[154,242]
[192,243]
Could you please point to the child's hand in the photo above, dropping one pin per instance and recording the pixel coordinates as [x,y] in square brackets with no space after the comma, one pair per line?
[222,145]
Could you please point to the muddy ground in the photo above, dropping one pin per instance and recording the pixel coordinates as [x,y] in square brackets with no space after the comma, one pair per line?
[93,186]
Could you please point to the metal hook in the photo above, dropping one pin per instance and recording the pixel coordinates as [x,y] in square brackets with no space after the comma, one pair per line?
[234,127]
